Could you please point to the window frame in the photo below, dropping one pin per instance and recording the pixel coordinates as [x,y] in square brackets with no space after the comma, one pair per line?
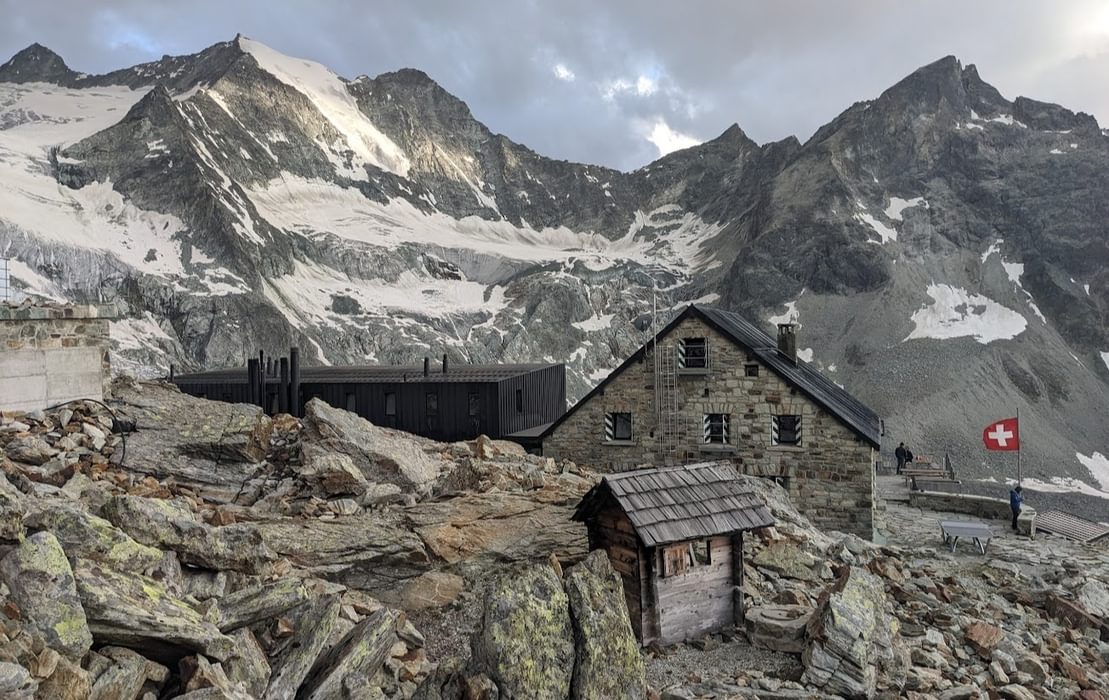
[750,370]
[776,430]
[390,410]
[611,425]
[723,438]
[681,558]
[701,361]
[519,402]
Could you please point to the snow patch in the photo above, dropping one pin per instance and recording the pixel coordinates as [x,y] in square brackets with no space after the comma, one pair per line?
[595,323]
[805,354]
[885,233]
[1098,464]
[898,205]
[1105,358]
[956,313]
[1060,484]
[315,207]
[791,314]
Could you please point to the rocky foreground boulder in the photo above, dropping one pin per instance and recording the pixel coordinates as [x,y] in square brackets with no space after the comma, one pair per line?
[214,552]
[542,636]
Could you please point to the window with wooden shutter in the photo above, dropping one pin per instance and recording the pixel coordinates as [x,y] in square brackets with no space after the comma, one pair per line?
[675,559]
[618,427]
[785,430]
[693,354]
[715,427]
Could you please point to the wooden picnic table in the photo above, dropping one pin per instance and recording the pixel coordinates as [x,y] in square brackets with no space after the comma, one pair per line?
[952,530]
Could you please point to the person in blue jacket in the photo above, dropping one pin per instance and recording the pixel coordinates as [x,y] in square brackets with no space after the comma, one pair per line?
[1015,501]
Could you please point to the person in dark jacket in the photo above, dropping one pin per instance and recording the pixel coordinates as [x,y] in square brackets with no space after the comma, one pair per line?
[1015,502]
[901,453]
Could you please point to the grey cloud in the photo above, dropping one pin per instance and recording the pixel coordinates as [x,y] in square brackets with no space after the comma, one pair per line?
[776,69]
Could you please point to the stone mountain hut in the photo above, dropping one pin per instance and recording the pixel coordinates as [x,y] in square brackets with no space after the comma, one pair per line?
[713,386]
[675,536]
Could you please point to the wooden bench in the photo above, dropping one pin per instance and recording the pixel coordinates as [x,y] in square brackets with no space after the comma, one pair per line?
[931,483]
[952,530]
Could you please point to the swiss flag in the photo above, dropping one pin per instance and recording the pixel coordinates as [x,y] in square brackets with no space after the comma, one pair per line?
[1003,435]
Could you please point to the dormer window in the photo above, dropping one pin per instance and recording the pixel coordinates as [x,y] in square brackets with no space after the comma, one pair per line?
[693,354]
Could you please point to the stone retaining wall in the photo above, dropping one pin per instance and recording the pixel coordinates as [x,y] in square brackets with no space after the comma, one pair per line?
[51,354]
[980,506]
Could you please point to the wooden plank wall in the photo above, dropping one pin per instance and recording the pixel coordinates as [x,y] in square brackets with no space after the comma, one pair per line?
[612,531]
[698,600]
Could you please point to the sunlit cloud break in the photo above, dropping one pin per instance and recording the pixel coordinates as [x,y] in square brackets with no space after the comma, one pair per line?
[563,73]
[666,140]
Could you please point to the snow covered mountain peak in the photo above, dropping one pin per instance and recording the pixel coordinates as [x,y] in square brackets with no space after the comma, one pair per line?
[239,198]
[328,93]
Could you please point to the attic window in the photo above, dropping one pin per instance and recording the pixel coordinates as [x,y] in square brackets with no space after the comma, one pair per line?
[618,427]
[750,370]
[693,354]
[716,428]
[786,430]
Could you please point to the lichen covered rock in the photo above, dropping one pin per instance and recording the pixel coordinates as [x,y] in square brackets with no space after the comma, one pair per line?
[525,639]
[608,664]
[171,525]
[83,534]
[42,585]
[851,637]
[137,611]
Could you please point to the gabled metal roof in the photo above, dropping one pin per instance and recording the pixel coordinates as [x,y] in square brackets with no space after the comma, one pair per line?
[673,504]
[376,374]
[819,388]
[825,393]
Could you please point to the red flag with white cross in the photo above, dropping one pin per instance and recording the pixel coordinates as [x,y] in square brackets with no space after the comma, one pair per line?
[1002,435]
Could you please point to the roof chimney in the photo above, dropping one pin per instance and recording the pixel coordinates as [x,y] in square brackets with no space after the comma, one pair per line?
[427,366]
[787,341]
[444,363]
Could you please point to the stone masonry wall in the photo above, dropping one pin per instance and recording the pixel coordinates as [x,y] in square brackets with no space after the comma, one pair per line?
[51,354]
[830,476]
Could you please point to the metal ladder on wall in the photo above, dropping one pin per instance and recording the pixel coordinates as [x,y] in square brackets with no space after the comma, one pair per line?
[5,283]
[666,396]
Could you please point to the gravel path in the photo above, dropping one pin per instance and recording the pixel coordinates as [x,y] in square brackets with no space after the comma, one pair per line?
[682,663]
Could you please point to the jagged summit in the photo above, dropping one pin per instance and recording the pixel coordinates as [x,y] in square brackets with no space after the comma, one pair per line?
[239,198]
[36,63]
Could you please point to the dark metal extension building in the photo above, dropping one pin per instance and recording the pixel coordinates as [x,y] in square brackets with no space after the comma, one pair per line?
[441,402]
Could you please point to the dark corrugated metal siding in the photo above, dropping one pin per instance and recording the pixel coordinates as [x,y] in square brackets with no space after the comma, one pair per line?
[487,405]
[532,399]
[450,421]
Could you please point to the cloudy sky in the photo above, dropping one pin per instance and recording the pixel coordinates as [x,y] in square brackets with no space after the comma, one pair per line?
[621,81]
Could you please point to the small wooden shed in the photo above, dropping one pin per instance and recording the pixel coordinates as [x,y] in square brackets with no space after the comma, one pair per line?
[675,536]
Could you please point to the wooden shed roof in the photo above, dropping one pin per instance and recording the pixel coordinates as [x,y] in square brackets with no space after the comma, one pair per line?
[672,504]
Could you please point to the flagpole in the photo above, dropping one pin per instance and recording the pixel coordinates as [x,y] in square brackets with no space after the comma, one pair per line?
[1020,439]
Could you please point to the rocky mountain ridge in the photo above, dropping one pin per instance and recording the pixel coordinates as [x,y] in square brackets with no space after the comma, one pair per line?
[943,248]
